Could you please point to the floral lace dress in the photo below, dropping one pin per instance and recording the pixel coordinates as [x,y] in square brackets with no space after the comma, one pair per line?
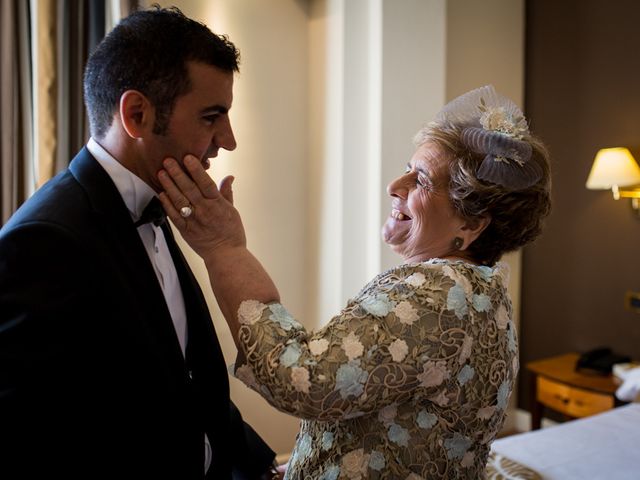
[410,381]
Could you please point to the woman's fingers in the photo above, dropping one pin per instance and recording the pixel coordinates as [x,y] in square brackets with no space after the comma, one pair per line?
[172,189]
[225,188]
[172,199]
[170,209]
[211,221]
[200,176]
[181,189]
[189,185]
[191,179]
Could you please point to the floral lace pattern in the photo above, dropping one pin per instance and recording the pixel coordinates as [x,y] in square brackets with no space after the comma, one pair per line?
[410,381]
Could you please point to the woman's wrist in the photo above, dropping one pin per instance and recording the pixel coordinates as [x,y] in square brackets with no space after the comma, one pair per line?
[222,254]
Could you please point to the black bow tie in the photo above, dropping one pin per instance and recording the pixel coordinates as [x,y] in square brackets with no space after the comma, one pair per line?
[152,213]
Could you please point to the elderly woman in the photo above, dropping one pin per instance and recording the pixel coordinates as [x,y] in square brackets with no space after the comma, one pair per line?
[412,378]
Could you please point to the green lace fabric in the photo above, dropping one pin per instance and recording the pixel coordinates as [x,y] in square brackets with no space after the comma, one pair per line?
[410,381]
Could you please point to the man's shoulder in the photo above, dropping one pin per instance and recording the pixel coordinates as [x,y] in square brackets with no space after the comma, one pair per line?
[58,201]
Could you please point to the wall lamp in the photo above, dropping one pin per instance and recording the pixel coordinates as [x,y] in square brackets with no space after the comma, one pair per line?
[616,169]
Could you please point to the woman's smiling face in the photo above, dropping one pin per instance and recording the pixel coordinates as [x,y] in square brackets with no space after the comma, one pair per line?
[423,222]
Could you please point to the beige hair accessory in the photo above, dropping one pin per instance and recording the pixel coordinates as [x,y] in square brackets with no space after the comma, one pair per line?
[494,126]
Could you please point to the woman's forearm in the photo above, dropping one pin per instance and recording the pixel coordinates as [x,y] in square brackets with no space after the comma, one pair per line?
[215,232]
[236,275]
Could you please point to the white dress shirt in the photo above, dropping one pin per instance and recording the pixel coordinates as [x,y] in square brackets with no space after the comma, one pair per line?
[136,194]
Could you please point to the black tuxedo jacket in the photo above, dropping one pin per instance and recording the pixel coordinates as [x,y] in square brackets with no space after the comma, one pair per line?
[93,383]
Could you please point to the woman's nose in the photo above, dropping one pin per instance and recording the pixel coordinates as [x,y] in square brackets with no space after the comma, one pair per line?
[397,187]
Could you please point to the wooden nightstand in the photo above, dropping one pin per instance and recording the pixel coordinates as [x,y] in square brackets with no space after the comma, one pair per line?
[556,385]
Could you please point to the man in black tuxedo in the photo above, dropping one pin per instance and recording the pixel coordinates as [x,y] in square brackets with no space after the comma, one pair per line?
[109,363]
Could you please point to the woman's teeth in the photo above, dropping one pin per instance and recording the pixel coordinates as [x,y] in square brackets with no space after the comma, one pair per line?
[398,215]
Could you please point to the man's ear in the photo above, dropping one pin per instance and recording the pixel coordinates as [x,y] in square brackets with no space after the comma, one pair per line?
[136,113]
[472,229]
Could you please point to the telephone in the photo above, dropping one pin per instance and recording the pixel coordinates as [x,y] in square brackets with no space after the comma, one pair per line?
[600,360]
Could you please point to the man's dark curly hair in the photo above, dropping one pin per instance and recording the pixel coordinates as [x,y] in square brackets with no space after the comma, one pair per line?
[148,51]
[517,217]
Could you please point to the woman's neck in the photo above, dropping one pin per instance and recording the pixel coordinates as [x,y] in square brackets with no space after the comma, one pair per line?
[451,258]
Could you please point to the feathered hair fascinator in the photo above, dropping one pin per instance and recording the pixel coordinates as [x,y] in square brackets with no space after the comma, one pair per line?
[494,126]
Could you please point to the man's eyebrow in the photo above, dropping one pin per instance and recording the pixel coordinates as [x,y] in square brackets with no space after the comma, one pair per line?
[214,109]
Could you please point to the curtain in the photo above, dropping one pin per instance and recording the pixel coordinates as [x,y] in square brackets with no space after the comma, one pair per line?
[67,31]
[81,26]
[46,89]
[44,45]
[16,168]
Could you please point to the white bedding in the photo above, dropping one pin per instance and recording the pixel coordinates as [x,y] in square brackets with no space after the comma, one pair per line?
[604,446]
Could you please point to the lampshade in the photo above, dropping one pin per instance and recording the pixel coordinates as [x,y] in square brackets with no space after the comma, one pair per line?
[612,168]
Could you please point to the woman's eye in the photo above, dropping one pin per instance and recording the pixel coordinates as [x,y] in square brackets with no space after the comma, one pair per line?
[421,181]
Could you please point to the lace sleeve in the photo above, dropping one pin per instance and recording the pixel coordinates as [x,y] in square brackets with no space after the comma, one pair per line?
[404,335]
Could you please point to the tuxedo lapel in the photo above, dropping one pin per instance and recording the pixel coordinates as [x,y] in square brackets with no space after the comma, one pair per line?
[205,363]
[127,256]
[209,384]
[203,350]
[190,289]
[123,240]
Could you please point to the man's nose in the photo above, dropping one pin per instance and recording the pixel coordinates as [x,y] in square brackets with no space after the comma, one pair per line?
[224,137]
